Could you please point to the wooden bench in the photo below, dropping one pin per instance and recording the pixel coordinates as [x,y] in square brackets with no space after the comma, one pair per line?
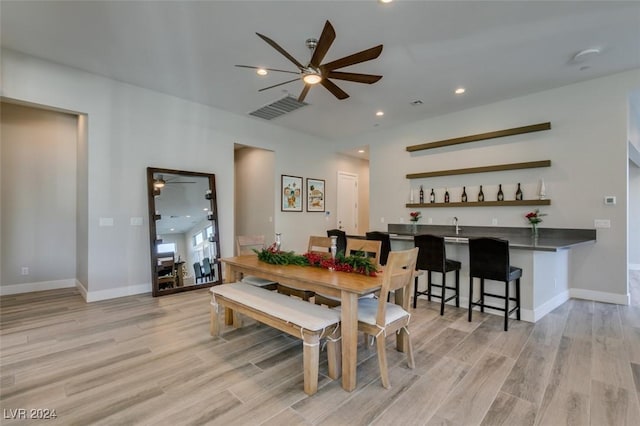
[293,316]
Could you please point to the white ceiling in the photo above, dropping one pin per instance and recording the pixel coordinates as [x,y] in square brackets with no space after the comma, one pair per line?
[497,50]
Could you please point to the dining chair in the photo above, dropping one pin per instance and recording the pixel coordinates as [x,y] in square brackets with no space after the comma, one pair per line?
[245,244]
[197,270]
[370,248]
[379,318]
[166,270]
[207,271]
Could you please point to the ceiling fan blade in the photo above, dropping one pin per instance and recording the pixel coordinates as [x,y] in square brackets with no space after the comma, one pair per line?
[337,92]
[268,69]
[356,58]
[355,77]
[324,43]
[281,50]
[304,92]
[279,84]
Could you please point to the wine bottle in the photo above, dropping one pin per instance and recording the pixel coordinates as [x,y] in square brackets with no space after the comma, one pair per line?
[519,193]
[463,198]
[421,195]
[500,193]
[432,196]
[446,195]
[480,195]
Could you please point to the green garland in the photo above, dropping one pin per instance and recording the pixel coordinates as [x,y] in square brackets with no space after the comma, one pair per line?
[281,257]
[357,262]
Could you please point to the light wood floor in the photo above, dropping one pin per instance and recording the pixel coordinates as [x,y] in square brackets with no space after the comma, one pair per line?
[144,360]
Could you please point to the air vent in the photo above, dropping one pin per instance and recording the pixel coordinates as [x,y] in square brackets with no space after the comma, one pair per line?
[278,108]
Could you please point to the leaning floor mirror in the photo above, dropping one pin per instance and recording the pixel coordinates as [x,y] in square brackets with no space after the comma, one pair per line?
[183,230]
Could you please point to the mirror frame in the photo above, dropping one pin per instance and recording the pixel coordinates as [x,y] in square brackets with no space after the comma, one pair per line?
[153,234]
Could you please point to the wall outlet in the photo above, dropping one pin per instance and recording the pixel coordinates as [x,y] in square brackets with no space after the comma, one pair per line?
[136,221]
[429,220]
[602,223]
[382,220]
[25,270]
[494,221]
[402,220]
[106,221]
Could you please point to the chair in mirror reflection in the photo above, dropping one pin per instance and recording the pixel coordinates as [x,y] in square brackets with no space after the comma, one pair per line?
[166,271]
[245,244]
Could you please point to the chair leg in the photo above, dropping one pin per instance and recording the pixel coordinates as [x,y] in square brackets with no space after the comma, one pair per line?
[415,292]
[429,285]
[407,338]
[444,292]
[457,288]
[518,298]
[382,361]
[506,307]
[470,297]
[481,294]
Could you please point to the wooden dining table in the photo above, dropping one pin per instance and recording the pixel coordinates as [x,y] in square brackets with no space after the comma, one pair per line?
[348,286]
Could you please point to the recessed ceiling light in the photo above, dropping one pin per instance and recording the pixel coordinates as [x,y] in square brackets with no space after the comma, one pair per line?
[385,1]
[585,54]
[460,90]
[206,209]
[380,113]
[361,151]
[261,71]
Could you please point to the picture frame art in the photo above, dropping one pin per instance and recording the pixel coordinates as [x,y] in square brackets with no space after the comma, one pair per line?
[315,195]
[291,193]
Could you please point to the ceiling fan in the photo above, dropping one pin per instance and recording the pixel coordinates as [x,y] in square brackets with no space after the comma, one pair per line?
[315,72]
[159,182]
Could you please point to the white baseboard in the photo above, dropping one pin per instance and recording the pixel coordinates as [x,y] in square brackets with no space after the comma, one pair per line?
[112,293]
[38,286]
[600,296]
[548,306]
[634,266]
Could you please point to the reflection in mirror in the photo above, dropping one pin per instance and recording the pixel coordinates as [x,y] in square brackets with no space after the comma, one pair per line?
[183,229]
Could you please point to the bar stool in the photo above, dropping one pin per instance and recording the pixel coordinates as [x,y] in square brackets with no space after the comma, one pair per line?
[385,240]
[489,260]
[432,257]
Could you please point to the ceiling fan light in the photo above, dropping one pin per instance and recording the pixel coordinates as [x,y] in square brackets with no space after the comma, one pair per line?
[312,78]
[261,71]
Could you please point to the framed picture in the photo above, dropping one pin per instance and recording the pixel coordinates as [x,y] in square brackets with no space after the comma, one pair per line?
[315,195]
[291,193]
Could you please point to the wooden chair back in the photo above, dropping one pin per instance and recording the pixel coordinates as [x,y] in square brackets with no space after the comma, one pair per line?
[319,245]
[371,248]
[245,244]
[398,274]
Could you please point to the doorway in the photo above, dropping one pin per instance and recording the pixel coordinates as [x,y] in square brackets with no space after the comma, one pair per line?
[347,203]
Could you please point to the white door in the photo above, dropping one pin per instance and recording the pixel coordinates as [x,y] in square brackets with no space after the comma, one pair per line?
[347,203]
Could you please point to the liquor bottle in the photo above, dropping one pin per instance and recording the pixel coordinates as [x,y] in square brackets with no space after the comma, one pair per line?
[480,195]
[446,195]
[432,196]
[421,195]
[519,193]
[500,193]
[463,198]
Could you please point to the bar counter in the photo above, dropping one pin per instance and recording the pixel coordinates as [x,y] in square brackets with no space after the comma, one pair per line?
[545,260]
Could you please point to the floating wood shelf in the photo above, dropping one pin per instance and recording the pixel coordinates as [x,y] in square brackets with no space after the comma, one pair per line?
[484,169]
[483,204]
[481,136]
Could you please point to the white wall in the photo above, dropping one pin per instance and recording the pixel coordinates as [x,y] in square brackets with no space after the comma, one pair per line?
[38,198]
[587,147]
[129,129]
[634,180]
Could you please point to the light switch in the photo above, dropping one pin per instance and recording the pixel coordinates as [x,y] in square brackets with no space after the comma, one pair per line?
[106,221]
[602,223]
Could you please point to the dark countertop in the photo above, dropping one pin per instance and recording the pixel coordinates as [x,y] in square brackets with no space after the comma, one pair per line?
[549,239]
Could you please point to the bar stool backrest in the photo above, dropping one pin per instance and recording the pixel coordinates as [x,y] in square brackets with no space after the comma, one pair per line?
[385,241]
[489,258]
[342,239]
[431,254]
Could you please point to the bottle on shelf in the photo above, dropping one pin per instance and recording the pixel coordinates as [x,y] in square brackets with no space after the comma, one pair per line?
[463,198]
[480,195]
[519,193]
[500,193]
[432,196]
[421,195]
[446,195]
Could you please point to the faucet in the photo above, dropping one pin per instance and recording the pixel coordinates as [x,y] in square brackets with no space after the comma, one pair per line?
[455,222]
